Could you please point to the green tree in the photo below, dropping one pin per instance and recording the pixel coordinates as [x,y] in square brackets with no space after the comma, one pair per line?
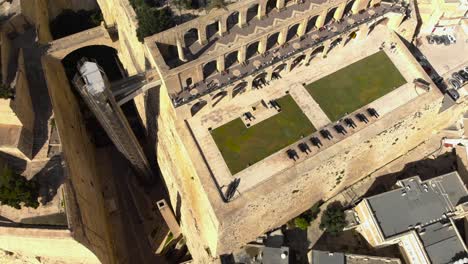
[333,219]
[152,20]
[301,223]
[6,92]
[16,190]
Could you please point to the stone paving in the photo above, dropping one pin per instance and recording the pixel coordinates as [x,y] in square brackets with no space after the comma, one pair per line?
[292,82]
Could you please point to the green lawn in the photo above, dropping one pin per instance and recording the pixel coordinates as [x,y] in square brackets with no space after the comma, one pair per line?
[355,86]
[240,145]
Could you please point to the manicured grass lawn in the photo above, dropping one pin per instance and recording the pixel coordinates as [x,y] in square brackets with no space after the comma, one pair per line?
[240,145]
[356,85]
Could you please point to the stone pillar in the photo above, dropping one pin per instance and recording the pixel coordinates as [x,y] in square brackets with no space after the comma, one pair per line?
[374,2]
[202,35]
[230,92]
[339,11]
[249,86]
[307,57]
[321,19]
[394,20]
[326,49]
[169,218]
[198,73]
[269,72]
[220,65]
[301,30]
[363,31]
[243,17]
[180,51]
[222,26]
[209,100]
[280,5]
[288,65]
[283,35]
[359,5]
[262,44]
[262,9]
[241,54]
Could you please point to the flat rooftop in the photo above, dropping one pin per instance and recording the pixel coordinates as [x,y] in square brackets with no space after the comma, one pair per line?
[205,124]
[424,206]
[417,203]
[325,257]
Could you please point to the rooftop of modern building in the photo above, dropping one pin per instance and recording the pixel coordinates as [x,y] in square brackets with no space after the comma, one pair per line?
[426,207]
[418,203]
[325,257]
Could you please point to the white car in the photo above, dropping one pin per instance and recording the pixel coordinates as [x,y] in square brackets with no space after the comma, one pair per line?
[452,39]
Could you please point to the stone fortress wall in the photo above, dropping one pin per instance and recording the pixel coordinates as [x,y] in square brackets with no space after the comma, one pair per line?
[268,205]
[87,213]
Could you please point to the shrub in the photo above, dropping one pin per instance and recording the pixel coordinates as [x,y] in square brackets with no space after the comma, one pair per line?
[151,20]
[6,92]
[333,219]
[301,223]
[15,190]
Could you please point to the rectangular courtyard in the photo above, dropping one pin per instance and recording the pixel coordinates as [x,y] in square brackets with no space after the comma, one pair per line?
[241,146]
[356,85]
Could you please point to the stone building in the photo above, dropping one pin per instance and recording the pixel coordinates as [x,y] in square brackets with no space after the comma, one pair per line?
[419,217]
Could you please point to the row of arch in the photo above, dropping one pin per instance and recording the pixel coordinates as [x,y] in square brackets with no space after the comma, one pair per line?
[234,19]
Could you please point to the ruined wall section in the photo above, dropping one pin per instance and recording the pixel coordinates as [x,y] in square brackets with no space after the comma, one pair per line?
[188,197]
[119,13]
[337,167]
[55,244]
[80,155]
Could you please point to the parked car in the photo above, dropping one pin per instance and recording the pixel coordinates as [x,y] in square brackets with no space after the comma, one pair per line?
[430,39]
[466,69]
[452,39]
[438,40]
[454,84]
[463,74]
[454,94]
[458,77]
[445,40]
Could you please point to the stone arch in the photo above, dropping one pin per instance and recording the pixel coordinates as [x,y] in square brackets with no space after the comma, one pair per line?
[188,82]
[330,15]
[218,97]
[280,68]
[252,50]
[104,55]
[272,40]
[349,7]
[351,36]
[292,32]
[212,30]
[231,59]
[259,80]
[232,20]
[382,21]
[252,12]
[190,37]
[288,2]
[270,5]
[311,23]
[334,43]
[97,36]
[297,60]
[317,50]
[239,89]
[197,107]
[209,69]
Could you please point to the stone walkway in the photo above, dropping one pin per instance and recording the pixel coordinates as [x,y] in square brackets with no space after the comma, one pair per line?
[309,106]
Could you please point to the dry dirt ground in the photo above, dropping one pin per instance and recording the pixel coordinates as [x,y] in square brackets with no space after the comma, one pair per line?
[7,257]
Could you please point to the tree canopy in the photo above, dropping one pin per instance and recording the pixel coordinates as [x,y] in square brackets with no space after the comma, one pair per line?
[333,219]
[16,190]
[70,22]
[151,19]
